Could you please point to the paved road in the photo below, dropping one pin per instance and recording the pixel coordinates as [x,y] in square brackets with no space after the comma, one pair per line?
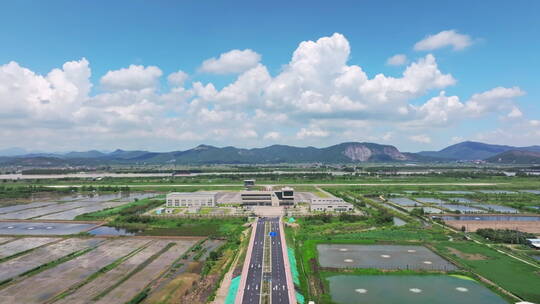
[277,277]
[252,292]
[280,292]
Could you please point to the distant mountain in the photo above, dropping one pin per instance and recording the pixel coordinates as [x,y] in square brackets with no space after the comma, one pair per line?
[470,150]
[516,157]
[12,152]
[87,154]
[350,152]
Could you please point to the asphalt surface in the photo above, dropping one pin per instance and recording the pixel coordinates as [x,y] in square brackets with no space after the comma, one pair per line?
[252,292]
[280,292]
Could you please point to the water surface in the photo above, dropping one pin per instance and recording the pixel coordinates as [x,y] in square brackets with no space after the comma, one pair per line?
[409,289]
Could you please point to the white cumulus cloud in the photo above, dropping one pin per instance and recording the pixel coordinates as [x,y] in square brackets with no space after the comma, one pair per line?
[235,61]
[398,59]
[177,79]
[135,77]
[317,98]
[443,39]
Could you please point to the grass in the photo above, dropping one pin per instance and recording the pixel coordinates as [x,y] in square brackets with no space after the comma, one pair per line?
[517,277]
[215,227]
[135,206]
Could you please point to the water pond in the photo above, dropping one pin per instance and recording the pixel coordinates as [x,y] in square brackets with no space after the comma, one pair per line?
[403,201]
[461,208]
[399,222]
[107,230]
[497,208]
[497,192]
[34,228]
[429,200]
[531,191]
[462,200]
[381,257]
[528,218]
[409,289]
[456,192]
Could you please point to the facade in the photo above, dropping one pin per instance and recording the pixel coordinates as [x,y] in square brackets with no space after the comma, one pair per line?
[249,183]
[191,199]
[283,197]
[330,205]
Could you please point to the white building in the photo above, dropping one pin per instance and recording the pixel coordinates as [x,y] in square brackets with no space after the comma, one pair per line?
[191,199]
[332,204]
[283,197]
[535,243]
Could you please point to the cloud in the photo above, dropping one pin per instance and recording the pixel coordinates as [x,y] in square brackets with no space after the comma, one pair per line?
[443,39]
[177,79]
[135,77]
[496,99]
[317,98]
[272,135]
[398,59]
[420,138]
[232,62]
[443,110]
[315,132]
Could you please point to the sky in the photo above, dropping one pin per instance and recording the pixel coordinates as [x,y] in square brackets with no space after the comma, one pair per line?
[169,75]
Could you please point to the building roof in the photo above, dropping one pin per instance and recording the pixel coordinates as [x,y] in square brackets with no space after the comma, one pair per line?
[193,193]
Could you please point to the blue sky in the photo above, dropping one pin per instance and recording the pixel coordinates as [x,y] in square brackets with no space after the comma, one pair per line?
[501,51]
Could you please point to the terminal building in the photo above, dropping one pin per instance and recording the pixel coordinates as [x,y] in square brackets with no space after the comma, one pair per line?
[191,199]
[333,204]
[283,197]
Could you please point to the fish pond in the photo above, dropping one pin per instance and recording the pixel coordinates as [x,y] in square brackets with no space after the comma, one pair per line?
[430,200]
[381,257]
[409,289]
[42,228]
[403,201]
[528,218]
[107,230]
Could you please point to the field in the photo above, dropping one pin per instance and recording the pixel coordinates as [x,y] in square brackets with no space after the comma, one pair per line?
[524,226]
[513,275]
[496,272]
[111,270]
[147,268]
[68,207]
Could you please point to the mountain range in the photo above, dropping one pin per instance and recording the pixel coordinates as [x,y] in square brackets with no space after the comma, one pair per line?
[349,152]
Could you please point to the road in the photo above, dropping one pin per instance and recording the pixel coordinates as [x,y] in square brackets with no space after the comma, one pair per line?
[252,291]
[280,292]
[266,278]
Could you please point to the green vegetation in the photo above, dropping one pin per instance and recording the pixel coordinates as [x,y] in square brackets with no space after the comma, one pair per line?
[475,259]
[134,208]
[517,277]
[505,236]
